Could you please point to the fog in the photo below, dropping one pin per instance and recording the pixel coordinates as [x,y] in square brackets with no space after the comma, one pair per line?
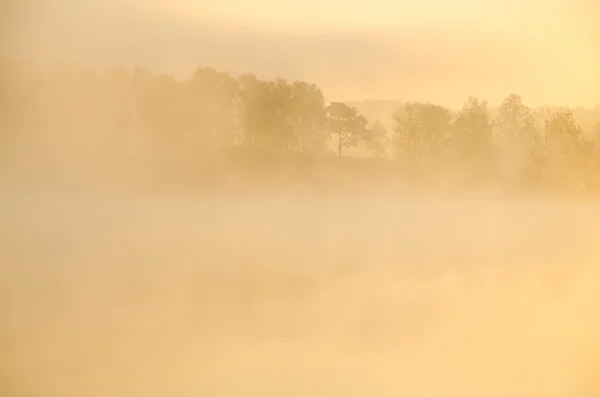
[431,50]
[377,294]
[176,230]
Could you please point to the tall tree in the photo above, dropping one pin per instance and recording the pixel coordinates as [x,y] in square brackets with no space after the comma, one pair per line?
[515,120]
[515,131]
[560,147]
[408,140]
[376,138]
[267,115]
[117,85]
[421,131]
[308,115]
[212,105]
[472,131]
[346,124]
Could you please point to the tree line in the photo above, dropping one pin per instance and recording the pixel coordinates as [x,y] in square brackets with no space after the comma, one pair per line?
[211,111]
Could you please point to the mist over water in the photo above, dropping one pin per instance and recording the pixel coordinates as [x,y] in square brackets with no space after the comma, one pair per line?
[218,233]
[385,293]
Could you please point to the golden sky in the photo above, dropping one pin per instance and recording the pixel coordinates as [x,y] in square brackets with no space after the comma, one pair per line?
[440,50]
[348,13]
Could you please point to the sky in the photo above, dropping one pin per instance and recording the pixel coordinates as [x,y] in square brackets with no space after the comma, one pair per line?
[437,50]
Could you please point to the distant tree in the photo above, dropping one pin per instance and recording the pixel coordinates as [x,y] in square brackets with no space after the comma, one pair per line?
[562,129]
[148,107]
[471,138]
[248,85]
[595,133]
[212,106]
[182,125]
[376,139]
[267,115]
[118,90]
[408,139]
[346,124]
[421,131]
[166,102]
[307,118]
[592,176]
[515,131]
[559,146]
[515,120]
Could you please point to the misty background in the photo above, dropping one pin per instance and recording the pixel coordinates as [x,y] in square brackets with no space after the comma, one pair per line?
[429,50]
[172,224]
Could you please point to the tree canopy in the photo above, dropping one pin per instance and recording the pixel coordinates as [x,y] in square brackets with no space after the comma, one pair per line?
[182,123]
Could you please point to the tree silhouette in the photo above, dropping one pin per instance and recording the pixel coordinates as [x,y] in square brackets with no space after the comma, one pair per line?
[376,138]
[515,132]
[308,117]
[515,120]
[421,132]
[472,129]
[181,125]
[346,125]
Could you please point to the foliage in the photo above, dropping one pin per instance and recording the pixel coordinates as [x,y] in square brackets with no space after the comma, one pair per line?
[182,123]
